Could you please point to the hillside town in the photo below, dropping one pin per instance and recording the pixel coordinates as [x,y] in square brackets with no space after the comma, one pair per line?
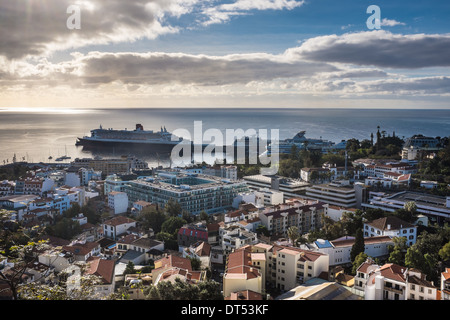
[366,222]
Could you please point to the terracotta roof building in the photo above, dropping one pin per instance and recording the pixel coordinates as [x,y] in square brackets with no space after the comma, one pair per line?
[393,227]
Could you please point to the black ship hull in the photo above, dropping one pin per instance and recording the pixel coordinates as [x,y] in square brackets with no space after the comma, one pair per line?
[125,146]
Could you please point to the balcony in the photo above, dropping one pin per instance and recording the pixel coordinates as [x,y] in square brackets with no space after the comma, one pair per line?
[394,290]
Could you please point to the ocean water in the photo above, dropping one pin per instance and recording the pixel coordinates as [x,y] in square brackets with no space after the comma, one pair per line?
[34,136]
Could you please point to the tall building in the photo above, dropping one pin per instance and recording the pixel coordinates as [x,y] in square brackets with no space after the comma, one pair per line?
[290,187]
[302,213]
[124,164]
[194,192]
[333,193]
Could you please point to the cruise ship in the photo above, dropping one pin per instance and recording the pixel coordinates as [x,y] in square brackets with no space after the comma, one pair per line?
[130,138]
[301,142]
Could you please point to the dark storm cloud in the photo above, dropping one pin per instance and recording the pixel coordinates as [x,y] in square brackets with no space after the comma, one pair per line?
[379,48]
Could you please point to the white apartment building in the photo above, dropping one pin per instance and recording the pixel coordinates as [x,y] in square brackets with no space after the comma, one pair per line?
[37,185]
[394,282]
[376,181]
[339,250]
[287,267]
[72,179]
[6,188]
[117,226]
[335,212]
[201,251]
[380,169]
[87,175]
[294,266]
[244,270]
[392,227]
[60,203]
[114,183]
[118,202]
[268,197]
[305,214]
[363,272]
[234,237]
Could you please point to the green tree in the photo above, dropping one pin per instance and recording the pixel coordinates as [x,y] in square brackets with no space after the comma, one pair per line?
[196,264]
[22,256]
[424,254]
[444,252]
[352,221]
[129,269]
[337,159]
[331,229]
[172,225]
[359,246]
[373,213]
[352,144]
[408,213]
[426,263]
[173,208]
[261,229]
[204,216]
[397,254]
[73,211]
[293,234]
[65,228]
[289,168]
[151,217]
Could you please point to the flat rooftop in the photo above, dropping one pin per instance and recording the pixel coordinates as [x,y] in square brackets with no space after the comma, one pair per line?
[184,182]
[419,198]
[282,180]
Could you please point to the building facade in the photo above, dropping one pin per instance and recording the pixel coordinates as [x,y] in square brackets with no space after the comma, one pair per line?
[195,193]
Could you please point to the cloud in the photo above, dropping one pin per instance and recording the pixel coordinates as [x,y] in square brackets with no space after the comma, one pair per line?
[391,23]
[378,48]
[35,27]
[399,86]
[437,85]
[223,13]
[97,68]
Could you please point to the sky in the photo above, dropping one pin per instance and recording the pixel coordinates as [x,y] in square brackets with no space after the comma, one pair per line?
[72,54]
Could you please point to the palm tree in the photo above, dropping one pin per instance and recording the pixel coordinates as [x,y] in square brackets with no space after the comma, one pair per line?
[293,234]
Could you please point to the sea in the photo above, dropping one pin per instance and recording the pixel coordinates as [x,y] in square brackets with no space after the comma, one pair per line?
[44,135]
